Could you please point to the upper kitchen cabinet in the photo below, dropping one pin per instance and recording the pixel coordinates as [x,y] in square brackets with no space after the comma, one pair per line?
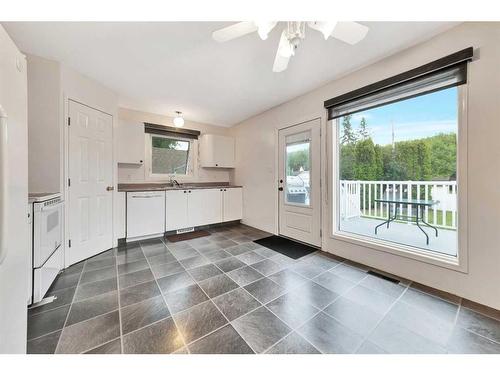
[216,151]
[130,142]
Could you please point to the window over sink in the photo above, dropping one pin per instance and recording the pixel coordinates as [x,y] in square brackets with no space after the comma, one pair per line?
[168,155]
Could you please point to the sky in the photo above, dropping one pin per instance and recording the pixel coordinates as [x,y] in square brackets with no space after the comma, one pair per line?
[419,117]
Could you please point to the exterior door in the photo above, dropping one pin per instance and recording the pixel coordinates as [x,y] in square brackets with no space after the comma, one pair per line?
[91,180]
[299,182]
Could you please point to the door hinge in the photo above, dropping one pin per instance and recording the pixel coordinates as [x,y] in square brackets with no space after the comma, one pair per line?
[69,182]
[69,121]
[69,243]
[320,233]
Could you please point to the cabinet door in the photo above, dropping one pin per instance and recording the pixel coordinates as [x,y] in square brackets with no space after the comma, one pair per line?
[176,210]
[204,207]
[233,204]
[224,152]
[130,143]
[145,213]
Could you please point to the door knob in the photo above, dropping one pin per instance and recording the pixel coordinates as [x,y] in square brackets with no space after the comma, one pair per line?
[110,188]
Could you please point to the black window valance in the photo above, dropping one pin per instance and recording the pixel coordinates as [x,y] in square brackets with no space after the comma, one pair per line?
[445,72]
[170,131]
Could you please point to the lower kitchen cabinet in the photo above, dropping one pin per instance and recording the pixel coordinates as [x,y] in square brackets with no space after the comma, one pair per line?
[197,207]
[145,214]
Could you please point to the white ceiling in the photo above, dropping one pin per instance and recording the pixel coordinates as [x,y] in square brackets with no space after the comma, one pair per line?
[168,66]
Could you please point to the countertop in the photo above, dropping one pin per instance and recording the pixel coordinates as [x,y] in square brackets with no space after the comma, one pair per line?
[166,186]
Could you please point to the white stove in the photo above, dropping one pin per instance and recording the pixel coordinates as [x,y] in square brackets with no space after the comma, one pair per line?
[47,250]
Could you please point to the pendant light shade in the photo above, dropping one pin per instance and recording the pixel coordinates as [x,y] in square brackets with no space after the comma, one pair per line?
[178,120]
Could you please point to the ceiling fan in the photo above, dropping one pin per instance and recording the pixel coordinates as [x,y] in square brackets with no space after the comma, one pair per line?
[292,35]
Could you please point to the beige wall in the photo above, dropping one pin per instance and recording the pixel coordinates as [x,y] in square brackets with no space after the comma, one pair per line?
[137,173]
[256,155]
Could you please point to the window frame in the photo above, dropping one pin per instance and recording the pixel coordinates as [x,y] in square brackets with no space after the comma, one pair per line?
[149,158]
[458,263]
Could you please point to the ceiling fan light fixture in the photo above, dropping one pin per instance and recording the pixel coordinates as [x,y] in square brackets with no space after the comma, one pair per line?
[178,119]
[264,28]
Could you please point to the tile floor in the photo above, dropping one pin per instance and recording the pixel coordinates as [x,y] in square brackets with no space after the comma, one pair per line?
[226,294]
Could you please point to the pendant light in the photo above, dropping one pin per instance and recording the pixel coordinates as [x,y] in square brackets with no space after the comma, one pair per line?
[178,119]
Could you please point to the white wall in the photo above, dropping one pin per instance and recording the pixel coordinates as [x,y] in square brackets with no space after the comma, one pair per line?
[256,155]
[14,270]
[137,173]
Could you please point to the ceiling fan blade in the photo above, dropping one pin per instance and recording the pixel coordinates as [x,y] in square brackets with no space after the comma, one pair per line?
[324,27]
[350,32]
[234,31]
[283,54]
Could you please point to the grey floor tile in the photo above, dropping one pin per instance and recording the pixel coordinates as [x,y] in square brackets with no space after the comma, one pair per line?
[92,307]
[236,303]
[174,282]
[292,309]
[421,322]
[64,281]
[237,250]
[104,254]
[396,339]
[98,275]
[264,290]
[47,322]
[322,260]
[333,282]
[44,345]
[91,265]
[199,321]
[204,272]
[367,347]
[130,256]
[466,342]
[132,267]
[260,329]
[63,297]
[480,324]
[94,289]
[293,344]
[350,273]
[184,253]
[160,337]
[161,259]
[283,261]
[226,244]
[267,267]
[245,275]
[207,248]
[155,250]
[307,270]
[329,336]
[223,341]
[375,301]
[383,286]
[194,262]
[166,269]
[230,264]
[143,313]
[134,278]
[86,335]
[216,255]
[315,294]
[218,285]
[434,305]
[138,293]
[353,315]
[112,347]
[265,252]
[175,246]
[250,257]
[182,299]
[288,279]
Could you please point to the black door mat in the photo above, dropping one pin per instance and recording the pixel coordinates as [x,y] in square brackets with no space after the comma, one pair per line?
[292,249]
[187,236]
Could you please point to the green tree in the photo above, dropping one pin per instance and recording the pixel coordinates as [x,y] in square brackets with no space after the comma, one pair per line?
[296,160]
[347,162]
[160,142]
[348,135]
[363,129]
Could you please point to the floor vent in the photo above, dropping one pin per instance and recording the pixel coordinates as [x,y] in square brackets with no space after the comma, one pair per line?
[376,274]
[185,230]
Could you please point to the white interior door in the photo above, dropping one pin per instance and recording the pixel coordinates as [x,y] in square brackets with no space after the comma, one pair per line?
[299,182]
[91,180]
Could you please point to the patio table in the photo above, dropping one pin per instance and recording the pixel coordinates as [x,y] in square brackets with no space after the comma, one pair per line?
[418,218]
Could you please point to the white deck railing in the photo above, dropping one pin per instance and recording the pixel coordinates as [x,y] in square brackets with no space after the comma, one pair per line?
[357,198]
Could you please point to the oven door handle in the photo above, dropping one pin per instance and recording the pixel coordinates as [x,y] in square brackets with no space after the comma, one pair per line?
[4,185]
[51,207]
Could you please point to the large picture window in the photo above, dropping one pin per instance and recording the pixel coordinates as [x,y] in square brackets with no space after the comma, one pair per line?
[397,172]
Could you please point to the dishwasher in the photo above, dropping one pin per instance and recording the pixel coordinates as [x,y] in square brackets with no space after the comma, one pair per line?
[145,214]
